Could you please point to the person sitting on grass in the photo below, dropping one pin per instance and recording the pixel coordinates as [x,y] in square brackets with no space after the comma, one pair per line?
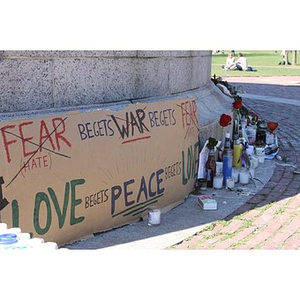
[242,64]
[229,62]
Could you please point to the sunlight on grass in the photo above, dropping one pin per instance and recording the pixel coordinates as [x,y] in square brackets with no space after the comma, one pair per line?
[266,63]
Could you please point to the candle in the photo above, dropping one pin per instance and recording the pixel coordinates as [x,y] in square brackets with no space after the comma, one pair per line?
[153,216]
[270,138]
[244,123]
[218,182]
[202,184]
[251,132]
[261,158]
[235,174]
[219,167]
[250,150]
[230,183]
[244,177]
[252,172]
[254,161]
[259,150]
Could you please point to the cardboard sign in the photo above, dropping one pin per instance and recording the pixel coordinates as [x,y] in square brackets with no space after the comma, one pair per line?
[66,176]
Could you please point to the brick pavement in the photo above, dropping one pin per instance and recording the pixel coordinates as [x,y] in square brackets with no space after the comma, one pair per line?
[271,218]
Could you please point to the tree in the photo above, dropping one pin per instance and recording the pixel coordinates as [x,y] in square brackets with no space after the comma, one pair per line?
[294,61]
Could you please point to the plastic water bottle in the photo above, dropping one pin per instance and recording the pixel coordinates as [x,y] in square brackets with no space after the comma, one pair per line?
[227,159]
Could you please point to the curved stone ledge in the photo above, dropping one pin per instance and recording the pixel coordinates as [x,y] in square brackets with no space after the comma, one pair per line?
[211,103]
[36,82]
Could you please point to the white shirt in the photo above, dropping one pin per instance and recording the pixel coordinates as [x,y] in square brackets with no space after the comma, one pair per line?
[229,62]
[243,63]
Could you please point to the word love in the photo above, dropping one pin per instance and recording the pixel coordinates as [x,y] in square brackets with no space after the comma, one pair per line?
[190,160]
[49,202]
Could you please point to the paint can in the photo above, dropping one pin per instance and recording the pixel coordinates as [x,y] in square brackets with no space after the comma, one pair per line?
[153,216]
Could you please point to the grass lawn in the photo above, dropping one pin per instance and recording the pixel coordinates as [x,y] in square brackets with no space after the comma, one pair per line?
[266,63]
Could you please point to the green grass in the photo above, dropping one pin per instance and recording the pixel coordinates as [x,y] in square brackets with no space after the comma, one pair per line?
[266,63]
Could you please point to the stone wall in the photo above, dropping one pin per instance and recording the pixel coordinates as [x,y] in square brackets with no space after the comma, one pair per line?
[45,81]
[54,79]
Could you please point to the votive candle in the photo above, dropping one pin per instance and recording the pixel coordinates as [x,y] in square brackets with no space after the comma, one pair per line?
[218,182]
[244,177]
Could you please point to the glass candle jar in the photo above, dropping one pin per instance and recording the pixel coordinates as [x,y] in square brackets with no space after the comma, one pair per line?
[153,216]
[235,174]
[244,176]
[218,181]
[230,183]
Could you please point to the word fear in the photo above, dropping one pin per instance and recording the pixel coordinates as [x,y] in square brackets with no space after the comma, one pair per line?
[189,113]
[31,136]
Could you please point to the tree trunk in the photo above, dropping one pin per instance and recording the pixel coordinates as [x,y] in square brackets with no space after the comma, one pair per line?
[294,62]
[286,58]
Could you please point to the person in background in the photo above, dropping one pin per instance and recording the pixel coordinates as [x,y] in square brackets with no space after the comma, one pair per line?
[229,62]
[285,57]
[242,64]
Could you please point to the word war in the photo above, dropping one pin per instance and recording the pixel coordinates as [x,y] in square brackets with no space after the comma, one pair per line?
[134,121]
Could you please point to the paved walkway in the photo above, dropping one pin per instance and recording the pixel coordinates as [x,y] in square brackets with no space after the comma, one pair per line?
[271,218]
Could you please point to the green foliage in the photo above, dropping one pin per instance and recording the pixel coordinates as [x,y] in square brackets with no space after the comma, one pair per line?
[212,142]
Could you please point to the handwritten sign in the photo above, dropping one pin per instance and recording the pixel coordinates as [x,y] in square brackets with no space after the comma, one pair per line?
[66,176]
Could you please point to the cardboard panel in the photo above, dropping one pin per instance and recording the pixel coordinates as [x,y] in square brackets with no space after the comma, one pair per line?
[70,175]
